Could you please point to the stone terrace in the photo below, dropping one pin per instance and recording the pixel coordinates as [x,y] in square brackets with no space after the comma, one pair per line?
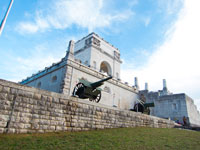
[26,109]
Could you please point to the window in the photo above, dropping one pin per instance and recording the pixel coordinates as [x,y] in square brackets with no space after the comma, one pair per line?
[39,85]
[94,64]
[107,89]
[54,79]
[174,106]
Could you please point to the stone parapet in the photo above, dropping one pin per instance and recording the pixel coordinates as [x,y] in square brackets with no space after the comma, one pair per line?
[26,109]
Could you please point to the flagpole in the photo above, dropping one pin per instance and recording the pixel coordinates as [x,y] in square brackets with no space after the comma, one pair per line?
[5,17]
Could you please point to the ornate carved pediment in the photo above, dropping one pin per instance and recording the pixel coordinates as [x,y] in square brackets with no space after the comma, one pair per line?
[88,41]
[96,42]
[92,40]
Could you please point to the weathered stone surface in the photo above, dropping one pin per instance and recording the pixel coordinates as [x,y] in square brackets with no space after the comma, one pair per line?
[37,96]
[11,130]
[3,96]
[39,111]
[4,118]
[3,124]
[14,91]
[6,89]
[1,130]
[1,87]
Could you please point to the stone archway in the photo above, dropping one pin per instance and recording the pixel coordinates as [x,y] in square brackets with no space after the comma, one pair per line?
[105,68]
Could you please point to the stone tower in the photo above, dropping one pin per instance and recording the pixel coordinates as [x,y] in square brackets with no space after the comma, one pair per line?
[95,52]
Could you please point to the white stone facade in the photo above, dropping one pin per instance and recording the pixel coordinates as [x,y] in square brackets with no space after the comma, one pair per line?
[95,52]
[93,59]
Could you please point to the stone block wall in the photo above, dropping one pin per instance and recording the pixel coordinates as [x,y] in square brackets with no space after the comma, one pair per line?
[26,109]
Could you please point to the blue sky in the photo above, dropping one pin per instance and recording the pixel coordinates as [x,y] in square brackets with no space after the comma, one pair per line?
[157,38]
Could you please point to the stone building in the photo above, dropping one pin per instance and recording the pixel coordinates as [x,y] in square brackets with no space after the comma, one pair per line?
[172,106]
[91,58]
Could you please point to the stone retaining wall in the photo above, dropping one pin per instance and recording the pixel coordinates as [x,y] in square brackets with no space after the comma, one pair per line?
[25,109]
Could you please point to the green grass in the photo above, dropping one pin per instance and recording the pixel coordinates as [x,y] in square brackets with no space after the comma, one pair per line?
[109,139]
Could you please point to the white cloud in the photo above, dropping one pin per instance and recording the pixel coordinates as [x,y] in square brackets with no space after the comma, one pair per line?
[26,27]
[132,3]
[17,67]
[39,59]
[39,24]
[178,58]
[64,13]
[147,21]
[170,5]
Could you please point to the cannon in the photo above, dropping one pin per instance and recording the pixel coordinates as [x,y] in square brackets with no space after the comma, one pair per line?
[85,89]
[142,107]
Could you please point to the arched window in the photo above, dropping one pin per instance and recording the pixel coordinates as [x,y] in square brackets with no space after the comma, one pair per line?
[39,85]
[54,79]
[105,68]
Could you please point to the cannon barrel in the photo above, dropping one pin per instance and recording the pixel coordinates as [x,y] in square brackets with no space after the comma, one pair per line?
[100,82]
[149,105]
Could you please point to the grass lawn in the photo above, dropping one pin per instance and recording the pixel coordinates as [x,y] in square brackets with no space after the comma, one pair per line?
[116,139]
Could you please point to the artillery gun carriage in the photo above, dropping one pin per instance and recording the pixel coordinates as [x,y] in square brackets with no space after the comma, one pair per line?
[85,89]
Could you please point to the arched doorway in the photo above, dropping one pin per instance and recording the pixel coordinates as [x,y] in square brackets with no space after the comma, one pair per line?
[105,68]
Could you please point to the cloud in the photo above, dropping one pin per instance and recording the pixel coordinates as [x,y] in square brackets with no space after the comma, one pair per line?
[18,67]
[36,59]
[27,27]
[177,59]
[132,3]
[62,14]
[147,21]
[170,6]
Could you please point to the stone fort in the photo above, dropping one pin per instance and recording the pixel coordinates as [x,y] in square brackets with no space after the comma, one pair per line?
[92,58]
[43,102]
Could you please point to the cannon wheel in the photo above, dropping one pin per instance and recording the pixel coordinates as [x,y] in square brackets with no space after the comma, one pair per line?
[96,98]
[78,90]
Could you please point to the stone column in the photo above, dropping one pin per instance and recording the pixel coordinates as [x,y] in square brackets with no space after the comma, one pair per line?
[146,86]
[136,83]
[164,84]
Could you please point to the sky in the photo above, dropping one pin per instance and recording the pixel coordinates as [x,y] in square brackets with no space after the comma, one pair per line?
[157,39]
